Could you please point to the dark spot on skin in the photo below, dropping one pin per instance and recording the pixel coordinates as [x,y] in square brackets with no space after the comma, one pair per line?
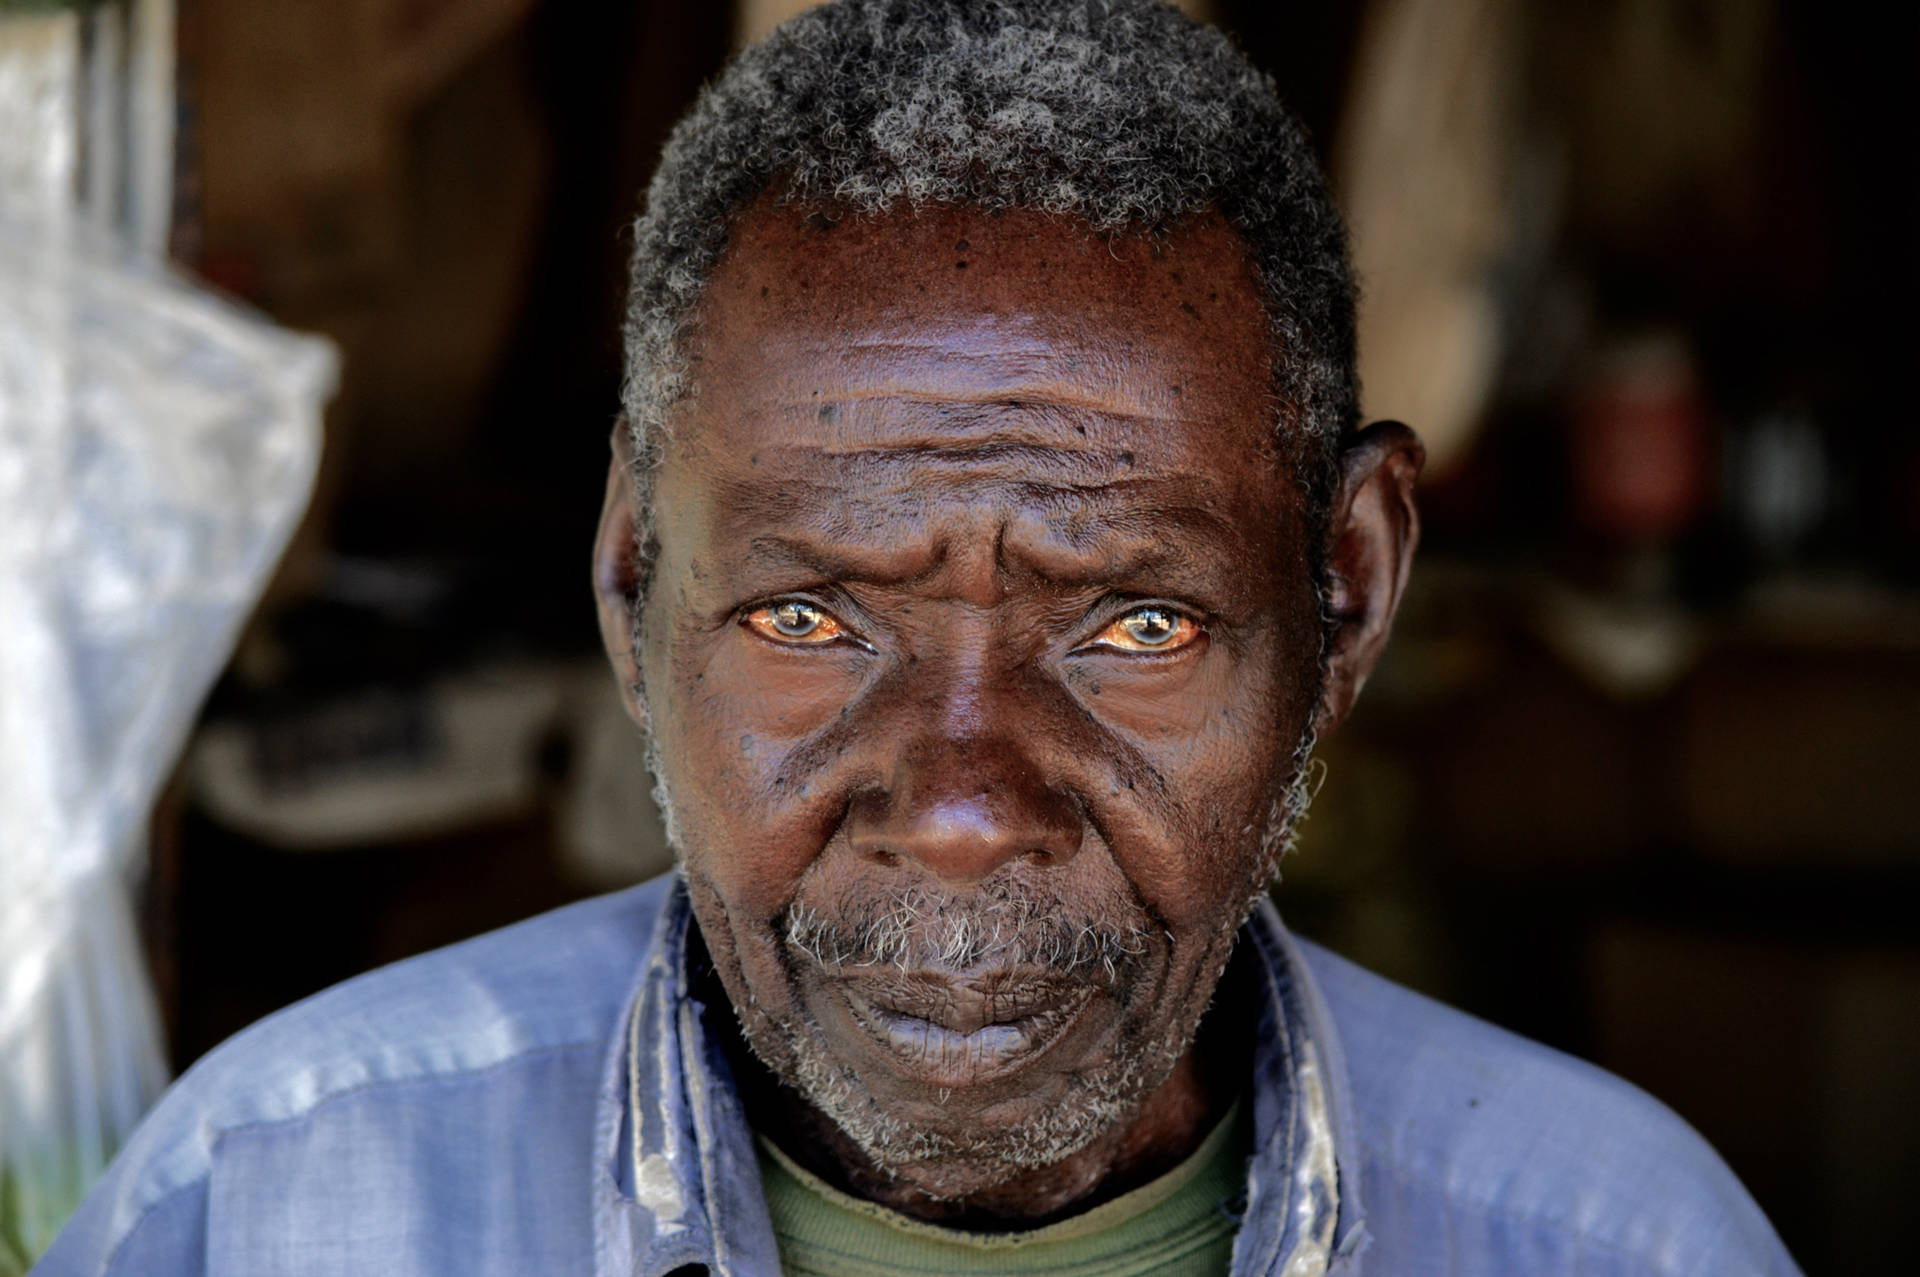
[763,290]
[1175,275]
[1094,688]
[961,247]
[1213,297]
[1126,460]
[829,414]
[1188,307]
[959,265]
[1174,391]
[754,460]
[1082,430]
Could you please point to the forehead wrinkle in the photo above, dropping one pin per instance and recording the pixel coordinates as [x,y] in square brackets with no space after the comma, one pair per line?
[907,421]
[1026,462]
[1031,397]
[1192,541]
[994,359]
[855,487]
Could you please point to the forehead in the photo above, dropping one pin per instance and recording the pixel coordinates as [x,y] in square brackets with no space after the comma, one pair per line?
[839,362]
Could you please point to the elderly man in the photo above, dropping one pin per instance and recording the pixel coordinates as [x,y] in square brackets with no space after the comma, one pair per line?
[988,540]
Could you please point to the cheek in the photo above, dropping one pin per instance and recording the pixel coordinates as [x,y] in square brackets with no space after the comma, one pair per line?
[736,714]
[1213,754]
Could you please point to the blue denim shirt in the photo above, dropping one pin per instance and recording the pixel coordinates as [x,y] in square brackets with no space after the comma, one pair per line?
[549,1099]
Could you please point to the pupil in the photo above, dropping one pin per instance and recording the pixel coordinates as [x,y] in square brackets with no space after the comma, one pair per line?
[1152,627]
[793,619]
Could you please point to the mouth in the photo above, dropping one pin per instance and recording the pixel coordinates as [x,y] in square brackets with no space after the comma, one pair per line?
[948,1032]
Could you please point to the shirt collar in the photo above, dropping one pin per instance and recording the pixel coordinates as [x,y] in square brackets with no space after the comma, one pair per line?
[676,1181]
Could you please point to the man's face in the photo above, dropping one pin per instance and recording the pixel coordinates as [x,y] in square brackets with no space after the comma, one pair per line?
[978,650]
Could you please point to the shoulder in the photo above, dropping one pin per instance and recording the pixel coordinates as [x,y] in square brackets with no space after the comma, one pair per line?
[553,984]
[1519,1153]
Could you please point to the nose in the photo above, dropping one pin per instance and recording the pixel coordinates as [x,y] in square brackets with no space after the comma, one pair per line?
[961,807]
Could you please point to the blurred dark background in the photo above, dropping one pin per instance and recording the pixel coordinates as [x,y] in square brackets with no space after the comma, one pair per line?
[1637,777]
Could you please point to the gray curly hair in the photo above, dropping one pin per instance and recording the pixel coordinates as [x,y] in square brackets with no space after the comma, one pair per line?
[1123,113]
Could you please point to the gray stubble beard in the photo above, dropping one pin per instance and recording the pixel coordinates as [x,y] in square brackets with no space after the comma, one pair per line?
[1098,1101]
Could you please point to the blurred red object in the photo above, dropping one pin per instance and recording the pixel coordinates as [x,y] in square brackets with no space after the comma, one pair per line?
[1642,449]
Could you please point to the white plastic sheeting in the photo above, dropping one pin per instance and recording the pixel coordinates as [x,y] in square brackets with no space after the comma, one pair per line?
[157,446]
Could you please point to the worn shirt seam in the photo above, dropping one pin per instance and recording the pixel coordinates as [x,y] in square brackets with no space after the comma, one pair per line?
[113,1256]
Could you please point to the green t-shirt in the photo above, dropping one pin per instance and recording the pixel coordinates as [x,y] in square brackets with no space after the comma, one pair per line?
[1182,1223]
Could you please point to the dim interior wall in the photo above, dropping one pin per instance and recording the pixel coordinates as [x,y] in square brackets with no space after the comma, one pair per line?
[373,170]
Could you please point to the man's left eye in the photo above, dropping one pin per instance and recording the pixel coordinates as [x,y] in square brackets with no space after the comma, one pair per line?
[1153,628]
[795,621]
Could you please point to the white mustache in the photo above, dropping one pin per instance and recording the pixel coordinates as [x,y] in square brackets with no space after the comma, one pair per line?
[999,926]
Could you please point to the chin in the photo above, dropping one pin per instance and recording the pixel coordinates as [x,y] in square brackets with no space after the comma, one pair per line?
[952,1115]
[957,1147]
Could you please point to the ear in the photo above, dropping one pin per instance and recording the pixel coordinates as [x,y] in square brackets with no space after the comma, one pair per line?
[616,572]
[1374,530]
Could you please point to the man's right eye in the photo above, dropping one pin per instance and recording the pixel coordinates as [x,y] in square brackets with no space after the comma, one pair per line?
[795,622]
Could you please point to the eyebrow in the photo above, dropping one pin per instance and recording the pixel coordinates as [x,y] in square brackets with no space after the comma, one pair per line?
[773,551]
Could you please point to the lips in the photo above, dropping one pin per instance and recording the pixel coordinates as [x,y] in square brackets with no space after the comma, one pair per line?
[951,1031]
